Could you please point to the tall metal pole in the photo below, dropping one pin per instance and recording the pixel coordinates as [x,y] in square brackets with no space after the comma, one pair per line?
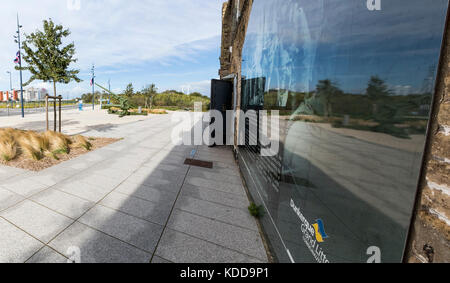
[93,87]
[10,80]
[20,66]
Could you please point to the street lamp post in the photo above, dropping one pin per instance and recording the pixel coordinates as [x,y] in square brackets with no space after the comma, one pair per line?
[93,87]
[10,80]
[20,64]
[10,88]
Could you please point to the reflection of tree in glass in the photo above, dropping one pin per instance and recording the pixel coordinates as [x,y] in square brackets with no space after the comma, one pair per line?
[386,111]
[325,90]
[377,89]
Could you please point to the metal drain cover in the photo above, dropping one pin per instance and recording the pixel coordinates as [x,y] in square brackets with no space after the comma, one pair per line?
[198,163]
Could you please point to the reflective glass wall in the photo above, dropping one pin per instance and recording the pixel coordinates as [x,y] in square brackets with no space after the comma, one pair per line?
[354,86]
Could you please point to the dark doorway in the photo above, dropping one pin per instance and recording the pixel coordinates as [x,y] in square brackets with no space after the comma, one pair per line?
[221,100]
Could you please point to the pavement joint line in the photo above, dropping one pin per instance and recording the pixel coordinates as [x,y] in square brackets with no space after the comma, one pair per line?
[42,249]
[126,213]
[169,261]
[98,203]
[172,209]
[216,220]
[225,192]
[210,242]
[44,244]
[114,237]
[140,198]
[141,164]
[77,220]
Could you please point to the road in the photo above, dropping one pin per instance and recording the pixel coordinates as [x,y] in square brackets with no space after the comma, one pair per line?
[17,111]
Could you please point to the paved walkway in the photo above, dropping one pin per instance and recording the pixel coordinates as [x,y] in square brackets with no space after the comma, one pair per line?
[133,201]
[73,121]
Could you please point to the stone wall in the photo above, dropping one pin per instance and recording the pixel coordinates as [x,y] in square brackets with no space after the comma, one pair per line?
[429,239]
[234,31]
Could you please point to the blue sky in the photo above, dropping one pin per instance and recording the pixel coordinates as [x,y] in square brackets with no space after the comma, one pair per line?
[174,44]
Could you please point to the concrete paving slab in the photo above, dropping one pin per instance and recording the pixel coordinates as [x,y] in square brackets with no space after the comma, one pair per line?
[25,187]
[129,229]
[83,190]
[7,172]
[38,221]
[231,215]
[236,238]
[66,204]
[137,181]
[8,199]
[218,170]
[177,169]
[181,248]
[16,246]
[98,247]
[47,255]
[224,187]
[104,182]
[213,176]
[215,196]
[156,212]
[146,192]
[170,184]
[157,259]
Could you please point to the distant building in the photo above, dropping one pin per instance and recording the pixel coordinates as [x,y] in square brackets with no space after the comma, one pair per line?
[9,95]
[34,94]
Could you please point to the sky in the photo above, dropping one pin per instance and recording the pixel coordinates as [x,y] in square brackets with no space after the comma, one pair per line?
[174,44]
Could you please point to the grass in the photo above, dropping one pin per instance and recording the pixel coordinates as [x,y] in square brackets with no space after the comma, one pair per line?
[35,146]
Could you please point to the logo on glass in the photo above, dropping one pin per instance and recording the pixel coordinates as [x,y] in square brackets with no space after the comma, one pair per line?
[320,231]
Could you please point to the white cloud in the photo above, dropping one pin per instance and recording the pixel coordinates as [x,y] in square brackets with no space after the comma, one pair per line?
[114,33]
[203,87]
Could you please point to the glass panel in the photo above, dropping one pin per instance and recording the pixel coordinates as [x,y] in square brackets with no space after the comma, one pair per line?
[354,87]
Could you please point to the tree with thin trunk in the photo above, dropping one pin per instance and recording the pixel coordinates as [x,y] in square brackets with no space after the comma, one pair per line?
[149,92]
[47,58]
[129,91]
[326,89]
[377,90]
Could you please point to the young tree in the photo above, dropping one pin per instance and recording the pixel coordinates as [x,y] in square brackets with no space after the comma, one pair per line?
[326,89]
[149,92]
[129,91]
[46,57]
[376,91]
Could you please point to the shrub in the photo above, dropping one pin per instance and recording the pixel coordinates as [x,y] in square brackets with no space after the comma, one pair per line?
[8,148]
[255,210]
[58,142]
[81,141]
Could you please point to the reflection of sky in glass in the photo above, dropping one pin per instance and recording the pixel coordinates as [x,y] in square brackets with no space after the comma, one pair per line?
[296,43]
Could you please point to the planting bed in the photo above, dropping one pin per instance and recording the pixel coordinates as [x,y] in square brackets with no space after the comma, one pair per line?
[37,151]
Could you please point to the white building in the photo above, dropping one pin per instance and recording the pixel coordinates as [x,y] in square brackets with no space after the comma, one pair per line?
[34,94]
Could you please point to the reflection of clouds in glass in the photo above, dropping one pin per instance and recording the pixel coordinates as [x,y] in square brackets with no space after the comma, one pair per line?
[281,42]
[295,44]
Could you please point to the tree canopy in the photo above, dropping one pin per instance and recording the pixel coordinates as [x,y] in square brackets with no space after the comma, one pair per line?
[377,88]
[47,58]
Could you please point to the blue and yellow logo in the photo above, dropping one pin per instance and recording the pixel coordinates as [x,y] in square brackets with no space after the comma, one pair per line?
[320,231]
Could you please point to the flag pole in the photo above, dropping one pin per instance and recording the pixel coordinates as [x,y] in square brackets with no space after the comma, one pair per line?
[20,66]
[93,87]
